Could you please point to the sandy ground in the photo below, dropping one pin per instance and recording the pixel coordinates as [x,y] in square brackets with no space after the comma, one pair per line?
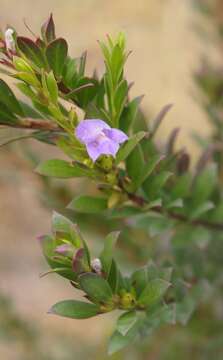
[165,52]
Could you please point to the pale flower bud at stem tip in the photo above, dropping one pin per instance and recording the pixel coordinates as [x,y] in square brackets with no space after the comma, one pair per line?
[9,39]
[96,265]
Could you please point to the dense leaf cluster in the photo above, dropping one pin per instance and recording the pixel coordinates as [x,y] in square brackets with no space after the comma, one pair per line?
[151,187]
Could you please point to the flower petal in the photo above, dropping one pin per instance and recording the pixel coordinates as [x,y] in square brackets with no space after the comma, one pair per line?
[93,150]
[104,146]
[88,130]
[116,135]
[109,147]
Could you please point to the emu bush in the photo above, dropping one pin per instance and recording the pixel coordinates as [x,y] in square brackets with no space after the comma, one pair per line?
[140,185]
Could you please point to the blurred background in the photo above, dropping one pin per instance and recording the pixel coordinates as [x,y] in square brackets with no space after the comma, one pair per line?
[168,39]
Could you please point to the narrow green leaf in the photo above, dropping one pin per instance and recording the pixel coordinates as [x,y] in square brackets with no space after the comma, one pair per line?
[153,292]
[88,204]
[61,169]
[154,184]
[115,277]
[96,288]
[129,114]
[127,148]
[135,165]
[204,184]
[75,309]
[52,87]
[148,168]
[56,53]
[139,279]
[181,188]
[107,253]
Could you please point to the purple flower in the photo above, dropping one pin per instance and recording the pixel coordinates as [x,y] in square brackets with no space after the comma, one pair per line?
[99,138]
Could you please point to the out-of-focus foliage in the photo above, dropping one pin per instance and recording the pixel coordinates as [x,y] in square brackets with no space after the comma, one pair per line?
[209,79]
[144,188]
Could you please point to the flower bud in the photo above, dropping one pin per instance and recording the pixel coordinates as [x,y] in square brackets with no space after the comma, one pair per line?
[106,162]
[96,265]
[127,301]
[9,40]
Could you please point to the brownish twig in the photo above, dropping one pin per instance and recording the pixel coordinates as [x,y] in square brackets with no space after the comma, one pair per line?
[36,124]
[140,201]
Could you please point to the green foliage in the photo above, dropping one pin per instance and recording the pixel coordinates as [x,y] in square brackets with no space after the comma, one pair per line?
[56,54]
[61,169]
[96,288]
[145,189]
[88,204]
[74,309]
[31,51]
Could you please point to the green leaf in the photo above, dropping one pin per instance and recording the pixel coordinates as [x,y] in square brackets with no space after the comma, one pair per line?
[115,278]
[166,273]
[152,271]
[153,292]
[8,98]
[68,230]
[181,188]
[6,116]
[84,92]
[29,111]
[204,184]
[123,212]
[96,288]
[154,184]
[61,224]
[127,148]
[80,262]
[107,253]
[139,279]
[48,30]
[147,169]
[135,164]
[118,341]
[185,309]
[74,309]
[129,114]
[29,79]
[56,53]
[61,169]
[201,209]
[52,87]
[31,51]
[70,72]
[152,222]
[48,246]
[88,204]
[126,321]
